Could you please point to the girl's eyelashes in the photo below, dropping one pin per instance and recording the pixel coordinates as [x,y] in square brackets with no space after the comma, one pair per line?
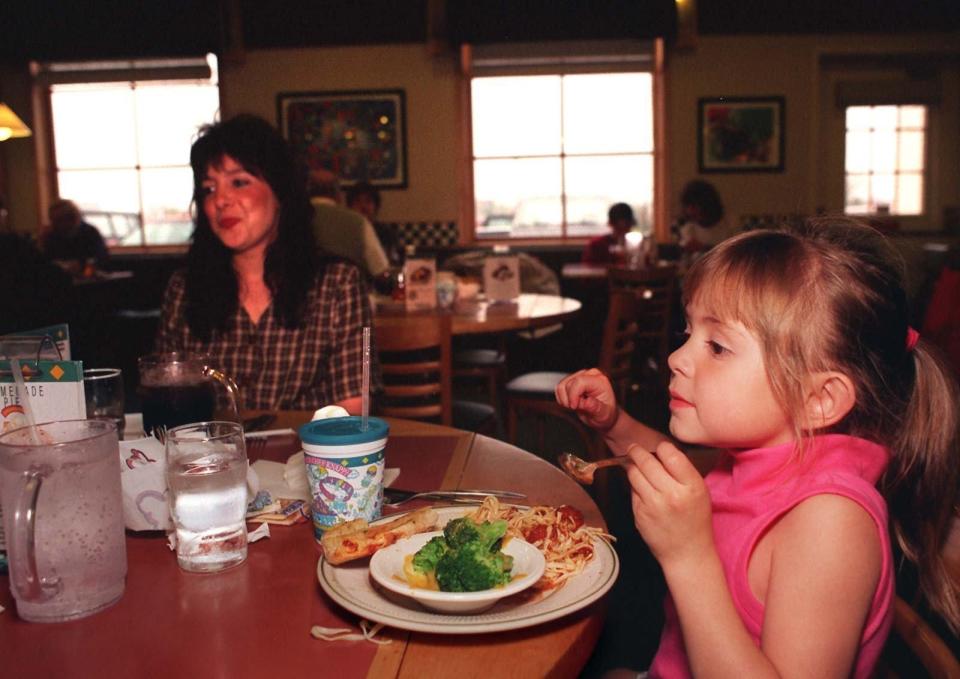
[206,189]
[716,348]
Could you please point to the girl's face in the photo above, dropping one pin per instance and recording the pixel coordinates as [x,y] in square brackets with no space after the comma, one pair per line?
[719,392]
[241,207]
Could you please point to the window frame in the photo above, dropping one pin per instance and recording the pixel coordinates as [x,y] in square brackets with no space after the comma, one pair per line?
[47,75]
[581,62]
[924,173]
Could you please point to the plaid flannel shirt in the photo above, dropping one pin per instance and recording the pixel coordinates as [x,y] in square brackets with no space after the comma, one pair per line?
[315,364]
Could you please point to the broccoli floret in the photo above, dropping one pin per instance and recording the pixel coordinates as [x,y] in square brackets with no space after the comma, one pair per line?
[459,532]
[490,534]
[472,568]
[426,559]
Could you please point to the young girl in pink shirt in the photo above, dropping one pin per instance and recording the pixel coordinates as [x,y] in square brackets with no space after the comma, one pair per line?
[800,365]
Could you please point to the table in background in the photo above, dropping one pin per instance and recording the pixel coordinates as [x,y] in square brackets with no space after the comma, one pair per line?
[254,620]
[478,316]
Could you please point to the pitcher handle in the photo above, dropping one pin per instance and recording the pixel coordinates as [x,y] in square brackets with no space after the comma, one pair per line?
[30,586]
[233,392]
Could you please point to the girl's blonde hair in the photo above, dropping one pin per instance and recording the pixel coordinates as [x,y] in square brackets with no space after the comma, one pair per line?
[828,295]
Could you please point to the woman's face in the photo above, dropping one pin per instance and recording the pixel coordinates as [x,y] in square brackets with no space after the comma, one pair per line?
[242,208]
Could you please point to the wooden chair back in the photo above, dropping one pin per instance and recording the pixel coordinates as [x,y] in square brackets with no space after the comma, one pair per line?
[618,344]
[923,643]
[416,367]
[654,290]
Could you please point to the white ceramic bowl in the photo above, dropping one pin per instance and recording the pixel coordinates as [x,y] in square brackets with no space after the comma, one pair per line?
[386,568]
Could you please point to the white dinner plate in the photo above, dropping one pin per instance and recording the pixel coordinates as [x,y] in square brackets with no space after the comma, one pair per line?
[351,586]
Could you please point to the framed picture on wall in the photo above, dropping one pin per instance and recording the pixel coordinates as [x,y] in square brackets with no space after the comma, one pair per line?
[358,134]
[740,134]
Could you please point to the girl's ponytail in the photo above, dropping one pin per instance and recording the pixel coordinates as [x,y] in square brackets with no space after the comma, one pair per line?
[921,482]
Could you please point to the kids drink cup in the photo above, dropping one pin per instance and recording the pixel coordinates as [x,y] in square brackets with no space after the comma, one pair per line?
[344,469]
[63,517]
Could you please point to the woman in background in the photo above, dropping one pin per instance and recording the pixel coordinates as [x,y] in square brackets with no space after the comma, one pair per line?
[255,296]
[701,224]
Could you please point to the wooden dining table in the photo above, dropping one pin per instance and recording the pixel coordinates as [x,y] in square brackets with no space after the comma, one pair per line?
[254,620]
[479,315]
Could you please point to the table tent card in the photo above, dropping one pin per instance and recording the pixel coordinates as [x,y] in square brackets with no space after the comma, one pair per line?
[54,391]
[51,342]
[54,384]
[420,283]
[501,278]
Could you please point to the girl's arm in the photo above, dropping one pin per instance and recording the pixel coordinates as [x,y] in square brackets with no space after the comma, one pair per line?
[816,572]
[590,395]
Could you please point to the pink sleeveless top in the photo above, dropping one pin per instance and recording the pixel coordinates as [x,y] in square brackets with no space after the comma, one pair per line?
[749,491]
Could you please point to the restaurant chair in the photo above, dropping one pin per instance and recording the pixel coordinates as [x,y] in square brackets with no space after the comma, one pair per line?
[416,366]
[533,393]
[485,365]
[655,289]
[915,649]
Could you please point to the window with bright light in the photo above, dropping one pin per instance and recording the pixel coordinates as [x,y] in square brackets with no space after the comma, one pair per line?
[551,153]
[122,154]
[885,159]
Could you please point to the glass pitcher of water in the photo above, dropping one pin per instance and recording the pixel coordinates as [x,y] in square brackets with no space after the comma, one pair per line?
[63,518]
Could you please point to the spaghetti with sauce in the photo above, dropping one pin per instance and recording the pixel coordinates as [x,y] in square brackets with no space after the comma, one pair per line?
[558,532]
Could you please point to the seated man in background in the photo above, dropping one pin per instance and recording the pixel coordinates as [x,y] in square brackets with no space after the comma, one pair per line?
[71,241]
[365,199]
[344,232]
[609,248]
[36,292]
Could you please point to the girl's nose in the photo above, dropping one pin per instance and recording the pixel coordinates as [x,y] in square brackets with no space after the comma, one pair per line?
[678,361]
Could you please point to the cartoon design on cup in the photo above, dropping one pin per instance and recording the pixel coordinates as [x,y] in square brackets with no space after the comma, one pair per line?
[336,489]
[344,469]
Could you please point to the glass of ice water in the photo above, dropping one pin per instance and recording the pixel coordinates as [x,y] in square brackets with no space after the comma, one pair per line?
[207,481]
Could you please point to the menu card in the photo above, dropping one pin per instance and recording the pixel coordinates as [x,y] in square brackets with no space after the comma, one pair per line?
[54,391]
[61,399]
[501,278]
[420,283]
[51,342]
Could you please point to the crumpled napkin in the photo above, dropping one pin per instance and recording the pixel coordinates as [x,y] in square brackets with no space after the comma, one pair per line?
[143,464]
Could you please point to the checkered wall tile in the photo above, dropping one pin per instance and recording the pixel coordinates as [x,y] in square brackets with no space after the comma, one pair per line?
[427,234]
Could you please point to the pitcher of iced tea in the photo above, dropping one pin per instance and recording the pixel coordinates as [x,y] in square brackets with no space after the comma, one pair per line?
[63,518]
[179,388]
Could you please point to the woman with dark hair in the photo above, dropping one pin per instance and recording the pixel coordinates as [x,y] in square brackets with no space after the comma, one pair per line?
[700,226]
[255,296]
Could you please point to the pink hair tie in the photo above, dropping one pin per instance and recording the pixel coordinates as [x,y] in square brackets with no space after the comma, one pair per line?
[912,337]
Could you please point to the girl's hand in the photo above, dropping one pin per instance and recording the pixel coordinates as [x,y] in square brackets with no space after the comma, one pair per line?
[590,395]
[671,504]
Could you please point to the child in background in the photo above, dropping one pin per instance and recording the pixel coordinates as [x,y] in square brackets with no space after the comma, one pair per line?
[800,365]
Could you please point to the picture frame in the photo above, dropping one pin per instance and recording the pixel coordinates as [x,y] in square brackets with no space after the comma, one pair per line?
[741,134]
[360,135]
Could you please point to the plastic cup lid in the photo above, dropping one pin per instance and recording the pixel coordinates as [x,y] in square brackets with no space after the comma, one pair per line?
[343,431]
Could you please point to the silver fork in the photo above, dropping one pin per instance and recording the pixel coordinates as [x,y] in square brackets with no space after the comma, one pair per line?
[395,496]
[160,433]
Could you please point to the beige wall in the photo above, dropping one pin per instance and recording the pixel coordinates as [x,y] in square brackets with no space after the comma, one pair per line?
[18,177]
[431,103]
[788,66]
[732,66]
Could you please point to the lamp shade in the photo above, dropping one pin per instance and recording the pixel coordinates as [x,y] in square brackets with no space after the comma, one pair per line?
[10,125]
